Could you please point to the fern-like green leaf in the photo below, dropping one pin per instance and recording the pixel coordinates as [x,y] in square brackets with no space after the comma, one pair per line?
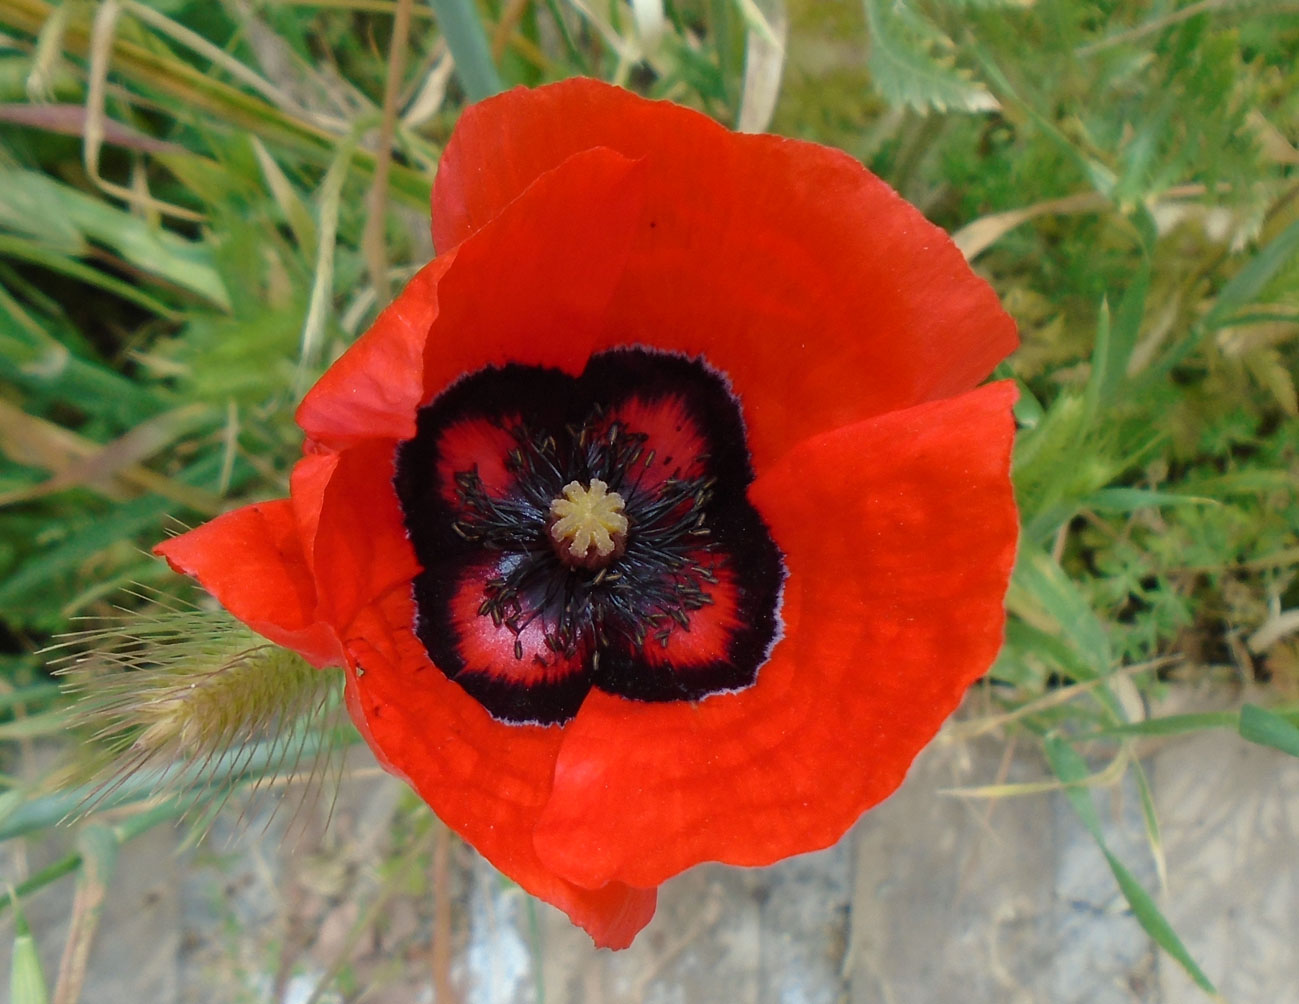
[911,64]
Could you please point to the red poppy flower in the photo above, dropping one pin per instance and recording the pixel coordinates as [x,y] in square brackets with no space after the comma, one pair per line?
[658,521]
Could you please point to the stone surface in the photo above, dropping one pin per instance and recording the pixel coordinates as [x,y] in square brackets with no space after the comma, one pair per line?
[932,898]
[134,954]
[1230,818]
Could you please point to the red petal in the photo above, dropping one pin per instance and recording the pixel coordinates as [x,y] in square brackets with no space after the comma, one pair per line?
[534,286]
[899,534]
[673,434]
[478,445]
[486,780]
[376,385]
[348,518]
[252,561]
[707,632]
[489,649]
[821,293]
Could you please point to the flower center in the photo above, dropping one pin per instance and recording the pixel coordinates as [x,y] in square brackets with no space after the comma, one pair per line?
[588,526]
[590,531]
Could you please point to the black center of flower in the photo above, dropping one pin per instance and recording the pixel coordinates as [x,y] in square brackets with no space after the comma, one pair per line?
[588,532]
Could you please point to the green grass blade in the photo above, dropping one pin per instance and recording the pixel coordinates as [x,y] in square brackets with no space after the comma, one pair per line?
[1038,581]
[32,252]
[1129,499]
[195,780]
[37,694]
[1172,725]
[1153,921]
[1116,337]
[1246,284]
[1070,767]
[128,829]
[1239,293]
[463,31]
[1267,728]
[187,87]
[29,199]
[1149,815]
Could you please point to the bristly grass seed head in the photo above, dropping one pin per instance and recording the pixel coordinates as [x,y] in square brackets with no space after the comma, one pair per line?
[191,701]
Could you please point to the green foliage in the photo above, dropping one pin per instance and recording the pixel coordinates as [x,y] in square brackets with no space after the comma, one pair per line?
[911,62]
[164,302]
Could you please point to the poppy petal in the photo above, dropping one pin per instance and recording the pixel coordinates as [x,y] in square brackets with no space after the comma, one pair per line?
[518,675]
[900,535]
[351,527]
[486,780]
[373,389]
[830,299]
[252,561]
[533,287]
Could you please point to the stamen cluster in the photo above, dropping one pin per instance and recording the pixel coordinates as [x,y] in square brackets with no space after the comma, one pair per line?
[655,580]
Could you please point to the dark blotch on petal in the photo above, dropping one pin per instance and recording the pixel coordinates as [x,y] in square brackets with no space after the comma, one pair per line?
[690,607]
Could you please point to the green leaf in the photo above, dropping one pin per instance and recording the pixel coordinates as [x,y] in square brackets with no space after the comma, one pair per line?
[1038,581]
[26,980]
[1115,341]
[1173,725]
[1028,409]
[1267,728]
[911,65]
[1129,499]
[28,201]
